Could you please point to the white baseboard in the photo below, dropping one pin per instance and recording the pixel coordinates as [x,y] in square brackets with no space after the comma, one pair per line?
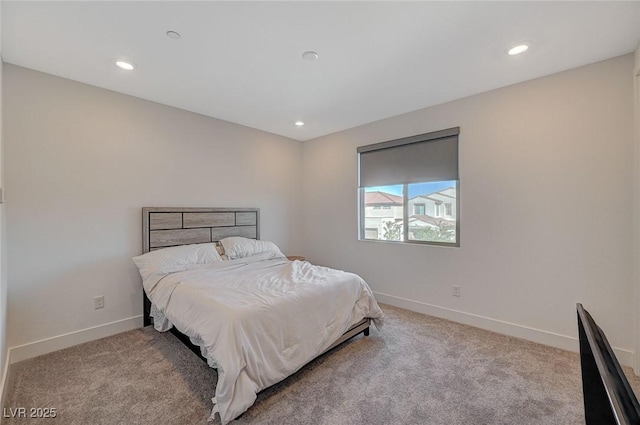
[565,342]
[49,345]
[4,381]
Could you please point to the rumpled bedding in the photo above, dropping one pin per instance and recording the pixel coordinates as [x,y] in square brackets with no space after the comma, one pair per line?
[257,319]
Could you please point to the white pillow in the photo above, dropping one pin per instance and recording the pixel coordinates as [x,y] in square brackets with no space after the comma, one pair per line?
[201,253]
[239,247]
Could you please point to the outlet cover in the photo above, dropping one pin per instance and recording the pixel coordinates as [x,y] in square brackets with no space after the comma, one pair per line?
[98,302]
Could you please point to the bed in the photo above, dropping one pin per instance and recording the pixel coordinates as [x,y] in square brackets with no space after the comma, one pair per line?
[255,316]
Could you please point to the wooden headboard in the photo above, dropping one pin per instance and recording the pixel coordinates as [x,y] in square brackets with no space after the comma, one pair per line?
[164,227]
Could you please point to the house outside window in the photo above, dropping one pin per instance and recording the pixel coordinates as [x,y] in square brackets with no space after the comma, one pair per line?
[382,210]
[408,190]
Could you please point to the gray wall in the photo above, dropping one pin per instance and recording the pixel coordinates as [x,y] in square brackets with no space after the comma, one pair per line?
[3,270]
[547,183]
[83,161]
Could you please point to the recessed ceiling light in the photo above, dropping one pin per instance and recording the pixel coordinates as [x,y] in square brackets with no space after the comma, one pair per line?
[127,66]
[310,55]
[174,35]
[516,50]
[299,123]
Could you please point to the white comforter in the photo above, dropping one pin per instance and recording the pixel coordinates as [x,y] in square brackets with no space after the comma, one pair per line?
[258,319]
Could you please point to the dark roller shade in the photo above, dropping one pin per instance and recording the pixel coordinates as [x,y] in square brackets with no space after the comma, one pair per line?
[423,158]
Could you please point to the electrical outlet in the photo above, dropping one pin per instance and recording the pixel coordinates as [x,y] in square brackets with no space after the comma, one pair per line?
[98,302]
[456,291]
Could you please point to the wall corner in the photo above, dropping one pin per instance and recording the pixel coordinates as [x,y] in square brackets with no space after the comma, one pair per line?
[636,203]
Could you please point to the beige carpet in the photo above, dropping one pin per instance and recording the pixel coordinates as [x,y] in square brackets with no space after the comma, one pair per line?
[417,370]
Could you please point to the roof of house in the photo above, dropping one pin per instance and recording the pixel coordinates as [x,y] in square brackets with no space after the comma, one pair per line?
[426,197]
[431,220]
[440,192]
[381,198]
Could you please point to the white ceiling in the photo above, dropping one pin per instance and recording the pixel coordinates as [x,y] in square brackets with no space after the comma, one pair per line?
[241,61]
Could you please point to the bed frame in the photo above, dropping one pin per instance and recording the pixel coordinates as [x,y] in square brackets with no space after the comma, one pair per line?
[164,227]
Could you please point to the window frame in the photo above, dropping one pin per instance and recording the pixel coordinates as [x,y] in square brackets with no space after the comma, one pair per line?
[405,202]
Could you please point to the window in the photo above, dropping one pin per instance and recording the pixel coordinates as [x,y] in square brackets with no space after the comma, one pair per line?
[371,233]
[433,227]
[408,189]
[382,210]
